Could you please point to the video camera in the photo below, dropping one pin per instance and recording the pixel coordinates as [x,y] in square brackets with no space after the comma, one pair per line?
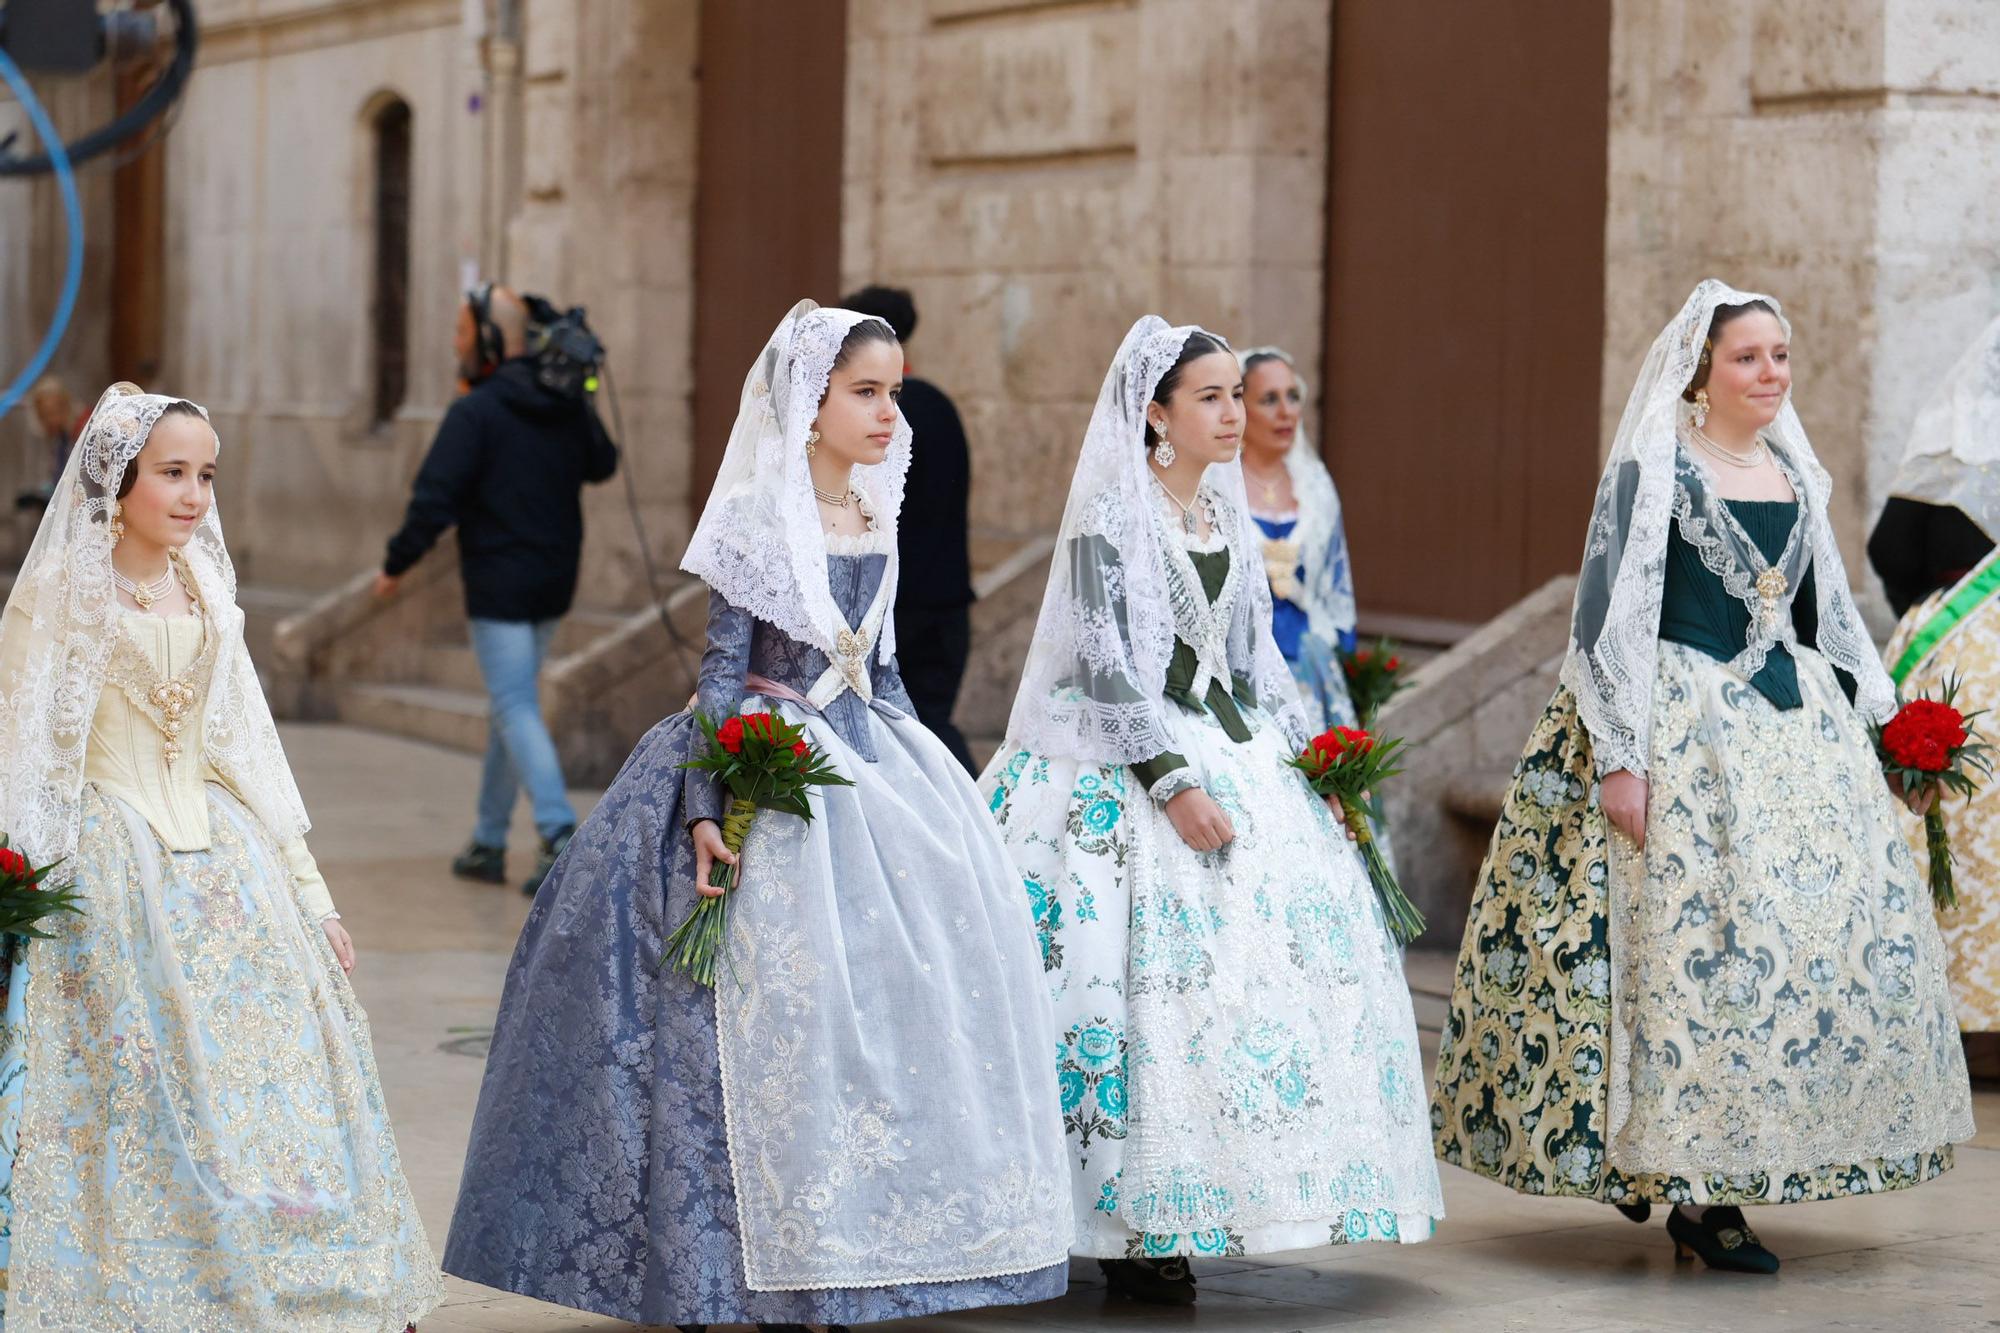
[567,354]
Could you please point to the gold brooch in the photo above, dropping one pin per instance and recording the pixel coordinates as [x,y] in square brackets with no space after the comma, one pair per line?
[173,698]
[1771,584]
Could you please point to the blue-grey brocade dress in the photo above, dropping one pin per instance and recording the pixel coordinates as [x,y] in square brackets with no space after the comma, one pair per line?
[599,1175]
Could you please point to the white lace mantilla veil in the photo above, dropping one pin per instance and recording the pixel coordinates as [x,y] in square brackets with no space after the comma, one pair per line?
[56,638]
[1652,479]
[1953,456]
[1327,595]
[759,542]
[1094,688]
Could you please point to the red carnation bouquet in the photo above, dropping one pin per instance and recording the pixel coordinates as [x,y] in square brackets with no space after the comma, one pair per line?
[765,763]
[1347,764]
[1930,743]
[1374,676]
[26,896]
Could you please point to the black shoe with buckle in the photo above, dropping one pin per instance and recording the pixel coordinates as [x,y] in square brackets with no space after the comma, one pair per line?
[1151,1281]
[545,860]
[486,864]
[1723,1240]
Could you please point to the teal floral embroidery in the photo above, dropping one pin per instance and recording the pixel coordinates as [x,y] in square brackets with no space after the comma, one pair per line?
[1090,1078]
[1009,779]
[1096,811]
[1048,914]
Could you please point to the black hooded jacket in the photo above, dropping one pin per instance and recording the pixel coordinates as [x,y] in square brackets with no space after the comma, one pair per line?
[508,467]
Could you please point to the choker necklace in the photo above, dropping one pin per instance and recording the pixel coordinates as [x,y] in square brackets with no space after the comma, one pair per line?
[825,497]
[146,594]
[1754,458]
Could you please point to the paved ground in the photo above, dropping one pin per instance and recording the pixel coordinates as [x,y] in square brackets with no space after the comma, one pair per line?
[390,813]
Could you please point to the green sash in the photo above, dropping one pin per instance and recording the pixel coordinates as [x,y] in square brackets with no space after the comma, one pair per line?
[1972,593]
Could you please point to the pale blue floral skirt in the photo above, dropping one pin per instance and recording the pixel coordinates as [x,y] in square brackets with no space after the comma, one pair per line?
[192,1131]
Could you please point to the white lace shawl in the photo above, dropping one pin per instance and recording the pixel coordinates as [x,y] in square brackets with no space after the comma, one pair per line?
[1651,480]
[1094,688]
[56,638]
[1953,457]
[759,541]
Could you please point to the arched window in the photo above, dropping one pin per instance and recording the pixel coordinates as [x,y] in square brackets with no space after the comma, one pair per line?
[389,305]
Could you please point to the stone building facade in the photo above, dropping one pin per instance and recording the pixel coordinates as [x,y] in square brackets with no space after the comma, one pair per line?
[1465,221]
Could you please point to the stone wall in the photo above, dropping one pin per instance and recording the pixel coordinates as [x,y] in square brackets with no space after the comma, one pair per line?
[1840,155]
[1042,174]
[606,220]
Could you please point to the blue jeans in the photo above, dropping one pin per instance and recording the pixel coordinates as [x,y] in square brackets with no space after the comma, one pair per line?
[519,750]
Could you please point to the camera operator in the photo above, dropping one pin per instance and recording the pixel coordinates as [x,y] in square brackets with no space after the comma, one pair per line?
[508,467]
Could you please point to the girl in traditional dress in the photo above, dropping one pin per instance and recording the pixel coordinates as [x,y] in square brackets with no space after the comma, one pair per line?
[1934,550]
[1237,1054]
[1304,540]
[1701,968]
[858,1122]
[192,1133]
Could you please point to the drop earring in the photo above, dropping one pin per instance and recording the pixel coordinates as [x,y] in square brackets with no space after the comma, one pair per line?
[812,438]
[1163,452]
[117,522]
[1700,408]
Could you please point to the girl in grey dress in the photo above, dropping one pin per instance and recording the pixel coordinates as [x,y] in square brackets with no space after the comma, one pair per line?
[859,1121]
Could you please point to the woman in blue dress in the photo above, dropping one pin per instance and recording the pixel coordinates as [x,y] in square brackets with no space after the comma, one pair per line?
[1304,539]
[859,1121]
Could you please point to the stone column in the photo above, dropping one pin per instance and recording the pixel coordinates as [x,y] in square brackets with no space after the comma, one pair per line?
[1838,155]
[606,222]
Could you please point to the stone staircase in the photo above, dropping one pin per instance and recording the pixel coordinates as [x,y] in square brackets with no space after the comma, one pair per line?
[405,666]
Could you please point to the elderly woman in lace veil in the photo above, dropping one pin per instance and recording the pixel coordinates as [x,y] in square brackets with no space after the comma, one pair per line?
[192,1132]
[1933,548]
[1701,968]
[858,1122]
[1237,1055]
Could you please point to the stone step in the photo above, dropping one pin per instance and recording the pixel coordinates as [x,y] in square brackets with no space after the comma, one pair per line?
[1478,796]
[451,666]
[454,718]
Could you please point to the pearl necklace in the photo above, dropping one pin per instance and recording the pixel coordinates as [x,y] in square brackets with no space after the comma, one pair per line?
[146,594]
[1755,458]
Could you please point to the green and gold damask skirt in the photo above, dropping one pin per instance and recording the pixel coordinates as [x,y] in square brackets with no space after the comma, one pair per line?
[1776,993]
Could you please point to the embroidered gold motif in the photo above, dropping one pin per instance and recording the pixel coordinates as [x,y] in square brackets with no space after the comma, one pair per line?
[851,658]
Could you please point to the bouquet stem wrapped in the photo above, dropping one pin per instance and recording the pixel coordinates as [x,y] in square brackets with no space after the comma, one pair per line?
[765,763]
[1346,764]
[1930,743]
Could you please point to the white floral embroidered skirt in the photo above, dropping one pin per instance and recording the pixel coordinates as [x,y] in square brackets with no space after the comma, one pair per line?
[882,1035]
[1238,1059]
[201,1139]
[1779,1002]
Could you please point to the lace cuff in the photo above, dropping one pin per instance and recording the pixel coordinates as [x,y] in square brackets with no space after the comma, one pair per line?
[1172,783]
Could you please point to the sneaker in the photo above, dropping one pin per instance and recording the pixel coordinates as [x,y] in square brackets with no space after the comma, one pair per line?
[486,864]
[545,861]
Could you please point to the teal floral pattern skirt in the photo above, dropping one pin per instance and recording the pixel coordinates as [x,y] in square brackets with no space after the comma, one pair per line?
[1236,1052]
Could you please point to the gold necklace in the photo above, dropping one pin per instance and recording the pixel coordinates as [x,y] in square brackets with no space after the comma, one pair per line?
[826,497]
[1269,490]
[1755,458]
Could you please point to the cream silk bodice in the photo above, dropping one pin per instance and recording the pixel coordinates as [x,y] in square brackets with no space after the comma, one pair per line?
[145,743]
